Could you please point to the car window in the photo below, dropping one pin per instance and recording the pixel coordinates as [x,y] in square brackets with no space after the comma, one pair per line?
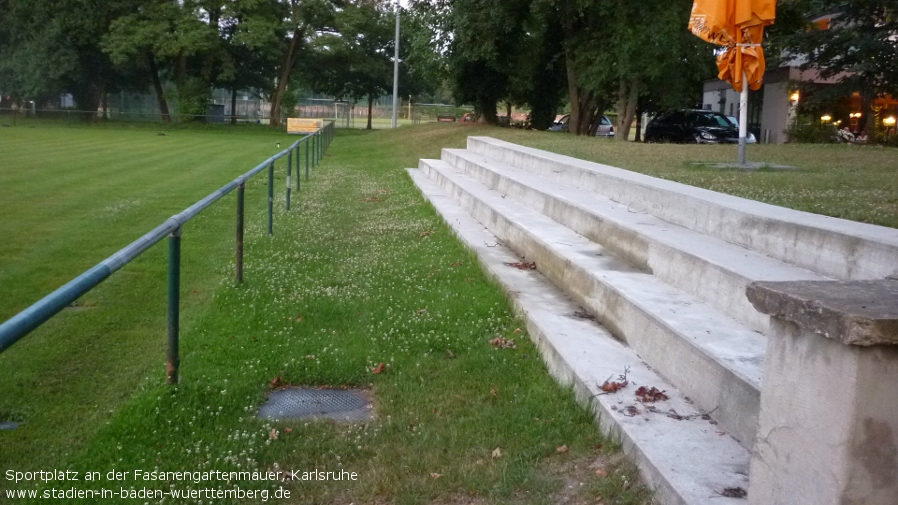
[713,120]
[605,121]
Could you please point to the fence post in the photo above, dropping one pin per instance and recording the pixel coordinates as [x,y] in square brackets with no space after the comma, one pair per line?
[289,172]
[297,148]
[173,361]
[240,206]
[307,159]
[271,198]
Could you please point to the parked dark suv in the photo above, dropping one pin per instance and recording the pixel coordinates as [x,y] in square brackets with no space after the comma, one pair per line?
[694,127]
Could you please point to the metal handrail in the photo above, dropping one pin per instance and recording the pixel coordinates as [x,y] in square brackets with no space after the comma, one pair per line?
[18,326]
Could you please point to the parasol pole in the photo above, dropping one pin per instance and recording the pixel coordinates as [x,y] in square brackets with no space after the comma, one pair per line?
[743,117]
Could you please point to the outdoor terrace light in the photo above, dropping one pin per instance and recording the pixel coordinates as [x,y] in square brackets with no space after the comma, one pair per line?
[826,118]
[889,121]
[793,97]
[854,115]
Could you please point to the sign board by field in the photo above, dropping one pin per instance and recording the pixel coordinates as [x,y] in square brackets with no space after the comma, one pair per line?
[302,125]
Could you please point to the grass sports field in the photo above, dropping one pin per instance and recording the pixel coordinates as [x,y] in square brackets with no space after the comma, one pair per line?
[353,277]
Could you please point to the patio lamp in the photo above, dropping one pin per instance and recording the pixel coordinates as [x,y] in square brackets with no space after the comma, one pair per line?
[826,118]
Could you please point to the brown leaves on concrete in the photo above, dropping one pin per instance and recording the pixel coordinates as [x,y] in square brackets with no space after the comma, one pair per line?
[650,395]
[522,265]
[610,386]
[734,492]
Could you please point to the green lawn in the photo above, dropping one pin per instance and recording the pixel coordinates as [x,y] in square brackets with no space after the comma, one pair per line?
[352,278]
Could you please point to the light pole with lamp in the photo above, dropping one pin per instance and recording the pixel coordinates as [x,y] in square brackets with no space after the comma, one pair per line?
[396,68]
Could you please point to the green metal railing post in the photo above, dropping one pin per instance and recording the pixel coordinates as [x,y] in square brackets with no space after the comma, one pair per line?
[298,165]
[271,198]
[307,158]
[241,189]
[289,172]
[173,361]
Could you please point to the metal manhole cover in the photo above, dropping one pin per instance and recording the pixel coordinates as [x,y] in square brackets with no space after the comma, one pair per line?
[303,403]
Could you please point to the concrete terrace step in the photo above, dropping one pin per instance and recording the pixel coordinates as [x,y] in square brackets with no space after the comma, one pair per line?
[704,266]
[831,247]
[711,357]
[687,461]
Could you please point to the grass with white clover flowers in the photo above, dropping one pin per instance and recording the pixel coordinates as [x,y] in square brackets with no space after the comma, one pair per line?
[361,271]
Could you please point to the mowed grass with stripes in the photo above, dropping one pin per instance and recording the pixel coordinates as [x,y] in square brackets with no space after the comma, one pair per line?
[360,272]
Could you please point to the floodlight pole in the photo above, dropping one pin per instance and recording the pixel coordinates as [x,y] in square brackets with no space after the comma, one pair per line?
[396,68]
[743,118]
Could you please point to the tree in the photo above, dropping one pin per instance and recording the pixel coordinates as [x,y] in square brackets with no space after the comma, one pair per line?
[482,39]
[356,61]
[48,48]
[857,51]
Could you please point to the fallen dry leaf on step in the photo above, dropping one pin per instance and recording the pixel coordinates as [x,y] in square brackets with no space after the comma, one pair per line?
[522,265]
[734,492]
[652,394]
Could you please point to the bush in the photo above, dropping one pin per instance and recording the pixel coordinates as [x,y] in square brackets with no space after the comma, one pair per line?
[811,132]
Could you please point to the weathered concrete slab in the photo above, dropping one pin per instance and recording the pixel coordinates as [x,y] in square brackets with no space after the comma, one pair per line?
[687,461]
[832,247]
[707,267]
[710,356]
[851,312]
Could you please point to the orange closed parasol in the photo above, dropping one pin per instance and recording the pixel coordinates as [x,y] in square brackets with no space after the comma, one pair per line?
[735,24]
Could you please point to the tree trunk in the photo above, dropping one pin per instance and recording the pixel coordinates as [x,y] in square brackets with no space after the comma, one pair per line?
[638,125]
[233,106]
[157,87]
[288,61]
[370,107]
[627,97]
[508,112]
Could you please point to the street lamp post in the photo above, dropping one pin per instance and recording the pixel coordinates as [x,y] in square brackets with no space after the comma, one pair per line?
[396,68]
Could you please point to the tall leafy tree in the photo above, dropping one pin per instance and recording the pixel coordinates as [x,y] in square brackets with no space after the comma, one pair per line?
[858,50]
[356,61]
[51,47]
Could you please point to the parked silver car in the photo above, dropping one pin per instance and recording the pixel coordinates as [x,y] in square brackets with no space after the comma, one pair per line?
[606,129]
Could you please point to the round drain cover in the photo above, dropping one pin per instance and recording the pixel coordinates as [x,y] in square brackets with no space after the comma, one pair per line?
[302,403]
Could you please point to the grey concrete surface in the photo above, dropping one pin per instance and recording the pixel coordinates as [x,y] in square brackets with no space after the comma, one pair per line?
[829,422]
[687,461]
[851,312]
[832,247]
[704,266]
[665,269]
[710,356]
